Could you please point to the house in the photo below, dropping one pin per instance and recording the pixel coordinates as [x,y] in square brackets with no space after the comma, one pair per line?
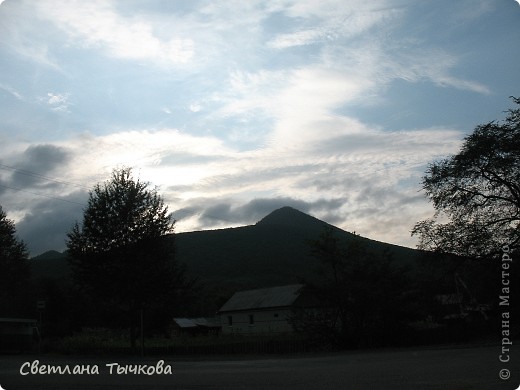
[17,334]
[194,326]
[266,310]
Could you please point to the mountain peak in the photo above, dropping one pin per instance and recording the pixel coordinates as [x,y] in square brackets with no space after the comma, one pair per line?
[51,254]
[288,216]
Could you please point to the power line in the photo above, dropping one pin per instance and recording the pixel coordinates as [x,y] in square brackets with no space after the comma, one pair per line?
[43,195]
[39,176]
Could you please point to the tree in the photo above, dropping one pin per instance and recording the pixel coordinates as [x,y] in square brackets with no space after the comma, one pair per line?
[14,267]
[476,193]
[367,297]
[122,256]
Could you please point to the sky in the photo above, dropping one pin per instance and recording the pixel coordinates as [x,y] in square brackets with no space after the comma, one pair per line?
[232,109]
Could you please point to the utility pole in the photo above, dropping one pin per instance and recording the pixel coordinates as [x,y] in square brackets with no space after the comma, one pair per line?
[142,331]
[41,307]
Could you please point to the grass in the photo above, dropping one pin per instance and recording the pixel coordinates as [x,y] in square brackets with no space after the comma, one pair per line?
[102,341]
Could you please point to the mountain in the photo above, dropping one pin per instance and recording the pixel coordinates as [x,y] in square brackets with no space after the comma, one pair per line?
[50,265]
[290,217]
[49,255]
[274,251]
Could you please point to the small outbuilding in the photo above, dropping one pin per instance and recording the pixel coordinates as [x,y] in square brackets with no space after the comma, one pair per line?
[266,310]
[194,326]
[18,334]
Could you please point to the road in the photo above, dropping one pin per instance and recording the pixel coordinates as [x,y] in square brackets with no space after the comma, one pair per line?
[461,368]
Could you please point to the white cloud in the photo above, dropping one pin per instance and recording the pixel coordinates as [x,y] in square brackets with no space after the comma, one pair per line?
[431,64]
[147,151]
[303,101]
[21,34]
[299,38]
[11,91]
[332,21]
[57,101]
[195,107]
[373,174]
[97,24]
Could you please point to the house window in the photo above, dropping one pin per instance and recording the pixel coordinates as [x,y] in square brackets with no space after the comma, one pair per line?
[230,320]
[251,319]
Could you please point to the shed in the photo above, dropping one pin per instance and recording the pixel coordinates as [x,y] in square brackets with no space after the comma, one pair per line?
[200,325]
[17,334]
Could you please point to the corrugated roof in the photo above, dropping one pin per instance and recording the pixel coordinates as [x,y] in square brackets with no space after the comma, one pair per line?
[208,322]
[196,322]
[185,323]
[263,298]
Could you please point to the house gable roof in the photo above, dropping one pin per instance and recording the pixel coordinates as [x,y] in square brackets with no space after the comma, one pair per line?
[264,298]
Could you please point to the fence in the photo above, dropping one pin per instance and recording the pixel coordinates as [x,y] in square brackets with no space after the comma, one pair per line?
[196,345]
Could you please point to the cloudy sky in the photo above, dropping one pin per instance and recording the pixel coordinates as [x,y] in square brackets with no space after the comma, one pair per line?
[236,108]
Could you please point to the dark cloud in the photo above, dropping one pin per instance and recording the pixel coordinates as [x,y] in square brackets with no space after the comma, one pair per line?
[184,213]
[219,212]
[47,223]
[255,210]
[3,186]
[259,208]
[44,157]
[36,162]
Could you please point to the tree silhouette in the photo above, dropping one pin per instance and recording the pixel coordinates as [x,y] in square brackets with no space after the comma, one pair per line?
[476,193]
[368,297]
[122,256]
[14,267]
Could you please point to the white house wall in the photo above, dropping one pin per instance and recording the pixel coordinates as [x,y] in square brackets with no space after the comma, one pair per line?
[264,321]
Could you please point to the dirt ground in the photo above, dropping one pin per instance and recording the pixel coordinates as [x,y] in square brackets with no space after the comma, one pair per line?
[461,368]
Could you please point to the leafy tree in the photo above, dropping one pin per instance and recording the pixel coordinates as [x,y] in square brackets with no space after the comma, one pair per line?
[368,297]
[14,267]
[476,193]
[122,256]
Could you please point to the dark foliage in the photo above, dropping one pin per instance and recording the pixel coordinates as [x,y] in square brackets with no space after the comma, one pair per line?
[272,252]
[14,270]
[370,299]
[477,192]
[122,257]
